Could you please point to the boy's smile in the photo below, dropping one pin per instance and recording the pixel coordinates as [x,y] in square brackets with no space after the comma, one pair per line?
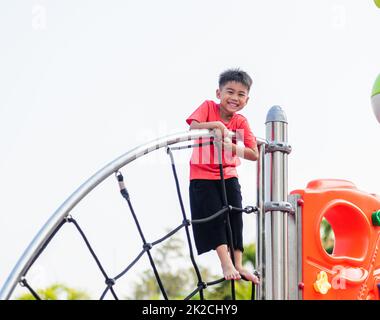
[233,97]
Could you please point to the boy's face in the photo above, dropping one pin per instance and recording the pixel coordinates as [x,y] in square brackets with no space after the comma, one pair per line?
[233,97]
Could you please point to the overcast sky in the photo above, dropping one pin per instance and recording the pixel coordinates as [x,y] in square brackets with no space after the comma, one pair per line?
[82,82]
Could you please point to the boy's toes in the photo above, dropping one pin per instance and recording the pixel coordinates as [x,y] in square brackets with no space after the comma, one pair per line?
[256,280]
[248,276]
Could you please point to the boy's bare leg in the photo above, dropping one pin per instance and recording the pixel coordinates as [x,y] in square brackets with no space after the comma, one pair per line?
[229,271]
[244,272]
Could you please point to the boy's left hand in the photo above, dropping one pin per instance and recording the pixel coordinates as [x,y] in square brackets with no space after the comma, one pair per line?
[227,142]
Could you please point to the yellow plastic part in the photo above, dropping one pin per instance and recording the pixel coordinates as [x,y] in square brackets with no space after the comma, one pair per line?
[322,285]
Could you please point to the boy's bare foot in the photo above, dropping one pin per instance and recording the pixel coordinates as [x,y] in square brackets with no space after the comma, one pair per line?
[247,275]
[230,273]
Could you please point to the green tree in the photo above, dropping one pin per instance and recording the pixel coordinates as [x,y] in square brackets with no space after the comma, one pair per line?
[243,289]
[57,292]
[327,236]
[181,282]
[178,283]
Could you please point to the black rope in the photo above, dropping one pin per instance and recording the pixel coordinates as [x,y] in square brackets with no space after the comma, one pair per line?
[40,250]
[89,247]
[110,282]
[170,233]
[228,223]
[248,209]
[212,217]
[97,261]
[193,293]
[114,293]
[203,285]
[130,265]
[124,193]
[147,246]
[104,293]
[24,283]
[190,246]
[211,283]
[225,210]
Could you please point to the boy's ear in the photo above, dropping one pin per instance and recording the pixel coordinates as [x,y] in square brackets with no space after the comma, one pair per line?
[218,93]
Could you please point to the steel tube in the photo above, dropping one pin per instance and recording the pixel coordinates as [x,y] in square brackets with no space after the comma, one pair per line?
[260,225]
[276,190]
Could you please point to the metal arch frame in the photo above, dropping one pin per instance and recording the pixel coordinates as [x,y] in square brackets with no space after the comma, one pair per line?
[30,253]
[62,212]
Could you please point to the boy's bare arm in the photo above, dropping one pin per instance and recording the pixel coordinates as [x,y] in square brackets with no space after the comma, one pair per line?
[250,153]
[220,130]
[208,125]
[244,152]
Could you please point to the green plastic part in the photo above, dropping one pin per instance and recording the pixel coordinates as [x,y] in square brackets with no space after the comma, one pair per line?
[376,218]
[376,86]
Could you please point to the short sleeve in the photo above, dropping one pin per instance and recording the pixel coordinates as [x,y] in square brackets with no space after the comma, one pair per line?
[200,114]
[244,133]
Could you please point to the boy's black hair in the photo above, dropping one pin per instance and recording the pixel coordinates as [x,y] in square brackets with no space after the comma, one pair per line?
[236,75]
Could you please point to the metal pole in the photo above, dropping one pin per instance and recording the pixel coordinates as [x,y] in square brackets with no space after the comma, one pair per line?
[260,225]
[276,192]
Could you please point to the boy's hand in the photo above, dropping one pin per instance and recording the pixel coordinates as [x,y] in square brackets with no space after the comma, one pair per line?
[227,143]
[220,131]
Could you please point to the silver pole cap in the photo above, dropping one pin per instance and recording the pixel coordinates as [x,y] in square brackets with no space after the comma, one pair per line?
[276,114]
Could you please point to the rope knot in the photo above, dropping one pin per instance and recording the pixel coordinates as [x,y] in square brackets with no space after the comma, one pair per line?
[69,218]
[110,282]
[202,285]
[147,246]
[22,282]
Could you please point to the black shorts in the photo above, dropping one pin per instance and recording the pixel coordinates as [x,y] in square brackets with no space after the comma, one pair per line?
[205,200]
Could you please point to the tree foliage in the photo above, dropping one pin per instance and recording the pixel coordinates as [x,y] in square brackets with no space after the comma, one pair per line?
[57,292]
[243,289]
[327,236]
[180,282]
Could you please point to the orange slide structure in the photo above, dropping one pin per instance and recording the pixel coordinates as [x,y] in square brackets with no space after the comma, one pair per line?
[352,270]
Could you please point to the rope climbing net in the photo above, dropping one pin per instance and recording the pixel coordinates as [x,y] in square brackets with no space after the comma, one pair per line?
[147,246]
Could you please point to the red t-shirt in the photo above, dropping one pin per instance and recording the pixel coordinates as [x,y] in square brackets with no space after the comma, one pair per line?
[204,162]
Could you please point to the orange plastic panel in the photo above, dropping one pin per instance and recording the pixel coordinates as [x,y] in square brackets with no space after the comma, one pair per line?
[353,269]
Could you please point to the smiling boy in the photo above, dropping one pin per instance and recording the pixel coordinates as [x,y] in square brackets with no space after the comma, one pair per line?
[205,185]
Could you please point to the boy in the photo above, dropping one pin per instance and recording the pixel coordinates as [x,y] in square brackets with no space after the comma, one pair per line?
[205,185]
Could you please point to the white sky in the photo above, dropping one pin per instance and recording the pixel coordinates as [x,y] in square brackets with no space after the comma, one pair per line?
[83,82]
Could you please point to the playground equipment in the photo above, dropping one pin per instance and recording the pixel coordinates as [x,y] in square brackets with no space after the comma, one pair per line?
[290,258]
[352,270]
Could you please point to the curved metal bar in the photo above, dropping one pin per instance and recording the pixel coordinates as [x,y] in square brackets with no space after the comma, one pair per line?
[62,212]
